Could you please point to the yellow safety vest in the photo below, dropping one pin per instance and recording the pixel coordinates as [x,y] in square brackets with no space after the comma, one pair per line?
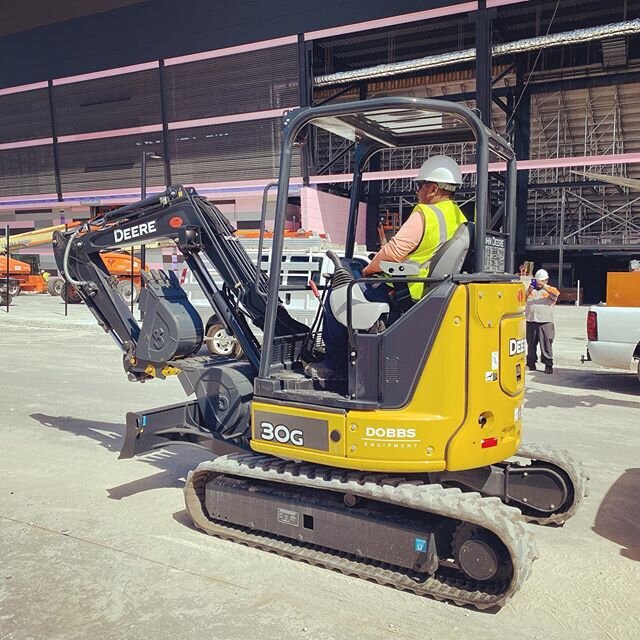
[440,223]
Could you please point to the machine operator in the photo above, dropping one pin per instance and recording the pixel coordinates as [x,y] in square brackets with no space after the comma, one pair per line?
[432,222]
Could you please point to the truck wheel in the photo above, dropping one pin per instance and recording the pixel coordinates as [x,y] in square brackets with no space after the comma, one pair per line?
[70,294]
[638,370]
[220,343]
[54,286]
[126,289]
[14,290]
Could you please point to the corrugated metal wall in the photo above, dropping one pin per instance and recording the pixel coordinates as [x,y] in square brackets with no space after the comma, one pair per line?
[220,153]
[128,100]
[240,83]
[97,108]
[26,171]
[166,28]
[25,116]
[108,163]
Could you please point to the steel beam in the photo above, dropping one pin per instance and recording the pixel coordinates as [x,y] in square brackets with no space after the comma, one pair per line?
[589,82]
[484,68]
[521,146]
[56,160]
[165,125]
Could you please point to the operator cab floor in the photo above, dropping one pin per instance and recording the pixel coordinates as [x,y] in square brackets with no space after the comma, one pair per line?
[287,385]
[296,386]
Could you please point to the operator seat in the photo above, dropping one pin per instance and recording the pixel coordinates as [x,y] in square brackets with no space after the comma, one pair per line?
[364,314]
[449,258]
[446,261]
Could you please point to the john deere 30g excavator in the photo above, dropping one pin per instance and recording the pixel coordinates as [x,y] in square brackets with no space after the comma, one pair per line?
[406,475]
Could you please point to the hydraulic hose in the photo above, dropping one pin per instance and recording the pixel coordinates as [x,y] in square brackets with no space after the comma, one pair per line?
[341,276]
[65,263]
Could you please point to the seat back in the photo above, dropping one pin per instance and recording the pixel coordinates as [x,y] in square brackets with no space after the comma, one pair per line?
[449,258]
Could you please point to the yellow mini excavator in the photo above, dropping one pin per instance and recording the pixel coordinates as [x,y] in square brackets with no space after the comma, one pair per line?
[411,472]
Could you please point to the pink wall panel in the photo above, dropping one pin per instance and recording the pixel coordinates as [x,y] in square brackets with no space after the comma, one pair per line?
[327,213]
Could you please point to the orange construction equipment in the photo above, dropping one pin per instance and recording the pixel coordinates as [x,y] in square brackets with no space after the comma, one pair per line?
[118,264]
[119,267]
[29,279]
[21,272]
[623,289]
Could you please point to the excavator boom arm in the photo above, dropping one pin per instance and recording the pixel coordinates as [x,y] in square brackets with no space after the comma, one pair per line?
[196,227]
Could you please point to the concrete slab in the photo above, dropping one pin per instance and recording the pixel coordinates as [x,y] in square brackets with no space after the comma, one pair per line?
[43,310]
[93,547]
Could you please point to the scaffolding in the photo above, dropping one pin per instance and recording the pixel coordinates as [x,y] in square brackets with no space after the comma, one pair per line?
[597,122]
[566,208]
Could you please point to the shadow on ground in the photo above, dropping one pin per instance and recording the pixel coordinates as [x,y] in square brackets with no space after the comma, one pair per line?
[557,390]
[174,462]
[589,378]
[182,517]
[618,518]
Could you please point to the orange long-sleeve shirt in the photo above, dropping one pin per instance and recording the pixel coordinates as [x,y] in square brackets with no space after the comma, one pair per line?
[401,245]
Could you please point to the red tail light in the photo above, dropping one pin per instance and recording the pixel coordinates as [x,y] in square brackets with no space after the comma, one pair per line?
[486,443]
[592,326]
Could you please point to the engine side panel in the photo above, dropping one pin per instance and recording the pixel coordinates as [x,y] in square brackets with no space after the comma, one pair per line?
[496,362]
[466,411]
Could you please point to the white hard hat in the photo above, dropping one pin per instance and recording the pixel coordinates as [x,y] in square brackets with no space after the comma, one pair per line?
[541,274]
[440,169]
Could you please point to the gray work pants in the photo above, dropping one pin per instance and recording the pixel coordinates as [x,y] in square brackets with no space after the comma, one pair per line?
[540,333]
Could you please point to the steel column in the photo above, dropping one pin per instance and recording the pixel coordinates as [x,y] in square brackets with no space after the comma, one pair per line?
[56,160]
[563,204]
[521,146]
[373,205]
[484,66]
[305,90]
[8,254]
[512,219]
[165,128]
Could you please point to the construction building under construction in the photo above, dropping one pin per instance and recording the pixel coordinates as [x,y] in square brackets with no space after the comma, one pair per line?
[98,99]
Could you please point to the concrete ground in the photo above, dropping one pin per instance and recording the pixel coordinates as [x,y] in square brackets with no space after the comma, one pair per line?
[94,547]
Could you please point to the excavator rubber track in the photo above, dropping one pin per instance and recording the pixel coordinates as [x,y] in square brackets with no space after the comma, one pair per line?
[488,513]
[576,473]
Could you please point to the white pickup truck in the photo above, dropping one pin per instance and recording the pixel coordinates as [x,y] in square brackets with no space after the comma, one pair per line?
[614,337]
[303,260]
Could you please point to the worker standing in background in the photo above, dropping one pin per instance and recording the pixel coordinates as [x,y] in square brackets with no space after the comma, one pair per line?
[541,298]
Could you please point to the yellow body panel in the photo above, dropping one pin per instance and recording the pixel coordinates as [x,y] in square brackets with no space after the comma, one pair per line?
[495,310]
[435,412]
[466,411]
